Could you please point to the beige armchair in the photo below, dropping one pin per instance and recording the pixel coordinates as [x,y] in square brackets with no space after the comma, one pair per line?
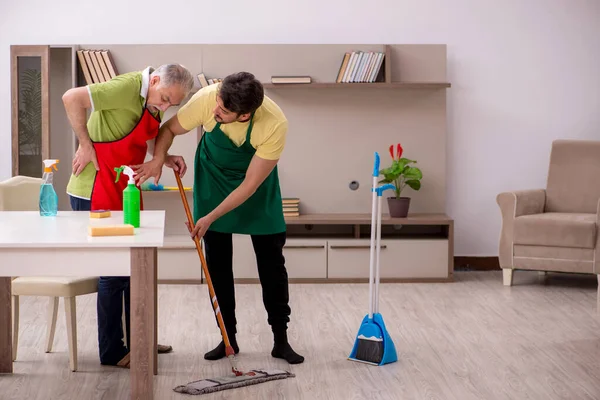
[556,228]
[21,193]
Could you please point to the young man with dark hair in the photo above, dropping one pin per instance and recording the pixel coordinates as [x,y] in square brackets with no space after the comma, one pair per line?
[236,190]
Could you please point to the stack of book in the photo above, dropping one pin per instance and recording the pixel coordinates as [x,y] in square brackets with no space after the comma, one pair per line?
[291,79]
[360,67]
[291,207]
[97,65]
[206,82]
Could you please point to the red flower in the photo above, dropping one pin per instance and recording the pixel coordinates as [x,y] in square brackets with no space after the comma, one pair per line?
[399,151]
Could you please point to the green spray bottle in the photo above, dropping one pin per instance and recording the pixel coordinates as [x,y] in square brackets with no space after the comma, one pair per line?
[131,198]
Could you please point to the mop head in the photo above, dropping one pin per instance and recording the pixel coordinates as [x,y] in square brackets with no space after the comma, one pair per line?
[231,381]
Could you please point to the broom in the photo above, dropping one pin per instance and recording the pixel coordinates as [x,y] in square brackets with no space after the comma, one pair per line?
[373,343]
[239,378]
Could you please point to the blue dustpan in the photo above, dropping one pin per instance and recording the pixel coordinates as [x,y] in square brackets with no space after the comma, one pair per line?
[373,344]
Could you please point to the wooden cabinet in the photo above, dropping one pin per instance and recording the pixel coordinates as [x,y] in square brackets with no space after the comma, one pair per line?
[306,258]
[399,259]
[333,248]
[178,261]
[179,265]
[40,75]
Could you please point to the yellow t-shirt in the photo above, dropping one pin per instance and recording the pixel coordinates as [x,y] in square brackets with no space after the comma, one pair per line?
[269,126]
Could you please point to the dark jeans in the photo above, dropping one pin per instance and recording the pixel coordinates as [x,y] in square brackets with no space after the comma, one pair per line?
[111,290]
[271,270]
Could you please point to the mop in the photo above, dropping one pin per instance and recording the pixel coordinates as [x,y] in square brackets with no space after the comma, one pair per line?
[373,344]
[238,378]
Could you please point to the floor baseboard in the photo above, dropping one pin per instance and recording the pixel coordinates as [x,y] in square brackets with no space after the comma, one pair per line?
[476,263]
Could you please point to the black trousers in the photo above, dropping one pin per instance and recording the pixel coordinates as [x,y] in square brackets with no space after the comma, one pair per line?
[271,271]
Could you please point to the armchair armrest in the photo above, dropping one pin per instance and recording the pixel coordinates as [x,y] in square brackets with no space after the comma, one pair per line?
[522,202]
[512,205]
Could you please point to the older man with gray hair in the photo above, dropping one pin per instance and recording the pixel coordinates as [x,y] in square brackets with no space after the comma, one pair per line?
[125,116]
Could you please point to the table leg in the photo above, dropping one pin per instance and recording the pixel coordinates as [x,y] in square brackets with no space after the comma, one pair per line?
[6,362]
[155,351]
[143,303]
[6,359]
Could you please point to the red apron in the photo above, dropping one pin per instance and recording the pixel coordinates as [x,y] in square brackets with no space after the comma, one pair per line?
[129,150]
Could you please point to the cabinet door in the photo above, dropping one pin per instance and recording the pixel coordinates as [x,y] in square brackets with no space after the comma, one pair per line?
[348,258]
[30,109]
[399,258]
[179,264]
[306,258]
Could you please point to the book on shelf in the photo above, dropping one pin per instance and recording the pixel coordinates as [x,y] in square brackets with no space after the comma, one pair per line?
[97,65]
[360,67]
[291,206]
[291,79]
[204,82]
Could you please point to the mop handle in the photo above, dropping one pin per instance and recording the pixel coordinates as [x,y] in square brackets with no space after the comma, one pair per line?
[211,289]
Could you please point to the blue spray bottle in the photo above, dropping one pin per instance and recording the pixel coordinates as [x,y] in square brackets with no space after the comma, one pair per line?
[48,196]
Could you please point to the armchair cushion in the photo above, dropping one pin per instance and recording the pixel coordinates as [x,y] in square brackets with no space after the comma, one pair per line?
[556,229]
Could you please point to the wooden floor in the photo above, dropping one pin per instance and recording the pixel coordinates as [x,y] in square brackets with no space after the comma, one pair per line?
[472,339]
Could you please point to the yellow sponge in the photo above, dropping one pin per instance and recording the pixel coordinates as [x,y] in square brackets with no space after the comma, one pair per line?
[100,214]
[111,230]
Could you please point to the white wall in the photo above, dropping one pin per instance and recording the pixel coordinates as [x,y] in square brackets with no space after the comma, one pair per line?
[523,72]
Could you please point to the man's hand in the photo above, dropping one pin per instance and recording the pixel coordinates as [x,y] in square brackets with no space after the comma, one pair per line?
[153,168]
[85,153]
[145,171]
[177,163]
[201,226]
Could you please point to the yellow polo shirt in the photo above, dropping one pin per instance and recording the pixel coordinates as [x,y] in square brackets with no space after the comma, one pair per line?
[269,126]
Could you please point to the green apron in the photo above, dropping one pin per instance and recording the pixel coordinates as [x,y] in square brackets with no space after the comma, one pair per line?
[220,167]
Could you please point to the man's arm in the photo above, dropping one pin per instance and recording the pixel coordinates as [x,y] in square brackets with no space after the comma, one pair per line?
[165,137]
[162,144]
[76,102]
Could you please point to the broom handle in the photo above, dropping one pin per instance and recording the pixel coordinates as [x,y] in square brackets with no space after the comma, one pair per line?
[372,252]
[211,290]
[373,228]
[378,247]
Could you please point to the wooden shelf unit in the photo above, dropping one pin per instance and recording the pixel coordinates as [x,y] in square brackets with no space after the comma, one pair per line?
[378,85]
[383,80]
[321,246]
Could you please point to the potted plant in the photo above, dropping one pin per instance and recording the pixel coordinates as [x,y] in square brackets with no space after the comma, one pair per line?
[401,174]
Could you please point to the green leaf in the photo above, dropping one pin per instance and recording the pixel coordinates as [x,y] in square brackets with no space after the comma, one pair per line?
[414,184]
[412,173]
[390,177]
[385,181]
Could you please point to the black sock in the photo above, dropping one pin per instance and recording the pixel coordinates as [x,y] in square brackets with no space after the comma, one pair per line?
[282,349]
[219,351]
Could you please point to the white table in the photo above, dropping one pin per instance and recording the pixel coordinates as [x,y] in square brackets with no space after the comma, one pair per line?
[31,245]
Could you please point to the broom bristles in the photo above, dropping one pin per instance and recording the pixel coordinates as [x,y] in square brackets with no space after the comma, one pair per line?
[369,350]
